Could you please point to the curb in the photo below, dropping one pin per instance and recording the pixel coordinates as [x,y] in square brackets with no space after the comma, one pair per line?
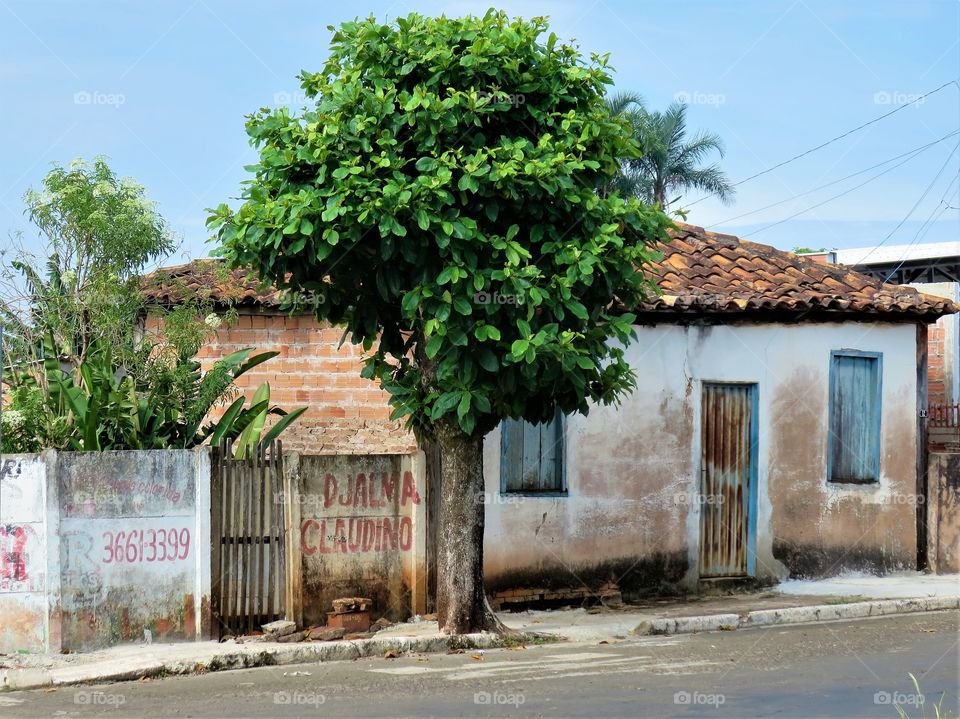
[30,678]
[795,615]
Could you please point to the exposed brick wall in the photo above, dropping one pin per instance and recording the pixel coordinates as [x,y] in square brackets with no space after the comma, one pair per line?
[347,414]
[936,359]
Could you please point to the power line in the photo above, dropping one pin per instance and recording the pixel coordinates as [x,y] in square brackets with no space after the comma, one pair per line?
[942,206]
[915,204]
[833,140]
[913,153]
[847,192]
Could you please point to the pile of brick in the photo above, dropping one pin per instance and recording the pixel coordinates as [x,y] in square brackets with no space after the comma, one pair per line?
[350,619]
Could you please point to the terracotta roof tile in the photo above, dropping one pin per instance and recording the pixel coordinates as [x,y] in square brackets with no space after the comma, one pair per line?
[701,273]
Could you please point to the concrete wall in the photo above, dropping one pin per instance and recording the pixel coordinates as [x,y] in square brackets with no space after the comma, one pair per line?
[362,532]
[28,543]
[103,545]
[943,513]
[632,469]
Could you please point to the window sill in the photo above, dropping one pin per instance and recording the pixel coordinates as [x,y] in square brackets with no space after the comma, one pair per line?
[522,493]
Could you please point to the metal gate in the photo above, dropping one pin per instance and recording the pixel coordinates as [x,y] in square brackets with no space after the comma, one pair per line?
[728,479]
[249,539]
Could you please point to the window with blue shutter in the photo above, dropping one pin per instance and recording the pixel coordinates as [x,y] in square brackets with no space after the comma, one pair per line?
[855,395]
[531,456]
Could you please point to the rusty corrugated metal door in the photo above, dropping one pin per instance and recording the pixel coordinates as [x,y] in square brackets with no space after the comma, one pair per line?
[728,441]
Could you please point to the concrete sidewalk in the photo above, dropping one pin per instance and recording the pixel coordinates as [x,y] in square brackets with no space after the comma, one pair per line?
[851,597]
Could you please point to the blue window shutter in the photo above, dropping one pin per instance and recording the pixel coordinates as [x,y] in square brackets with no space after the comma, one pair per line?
[531,456]
[855,417]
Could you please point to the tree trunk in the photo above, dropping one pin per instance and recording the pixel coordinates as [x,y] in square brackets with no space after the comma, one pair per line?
[462,605]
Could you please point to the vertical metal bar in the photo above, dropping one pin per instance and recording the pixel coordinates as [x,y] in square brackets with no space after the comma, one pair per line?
[250,479]
[269,530]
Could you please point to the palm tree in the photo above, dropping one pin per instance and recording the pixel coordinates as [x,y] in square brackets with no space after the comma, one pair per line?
[670,163]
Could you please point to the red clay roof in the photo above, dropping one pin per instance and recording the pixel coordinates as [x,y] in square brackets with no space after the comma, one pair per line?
[701,273]
[709,273]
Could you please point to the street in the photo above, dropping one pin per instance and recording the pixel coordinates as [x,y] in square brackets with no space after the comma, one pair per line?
[843,669]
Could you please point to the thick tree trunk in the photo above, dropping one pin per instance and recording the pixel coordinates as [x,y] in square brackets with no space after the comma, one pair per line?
[462,605]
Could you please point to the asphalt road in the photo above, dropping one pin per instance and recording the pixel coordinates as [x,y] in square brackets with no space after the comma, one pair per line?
[843,669]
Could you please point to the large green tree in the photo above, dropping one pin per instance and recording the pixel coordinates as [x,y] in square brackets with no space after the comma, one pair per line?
[441,200]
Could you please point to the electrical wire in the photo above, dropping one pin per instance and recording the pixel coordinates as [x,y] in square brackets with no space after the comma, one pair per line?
[914,152]
[847,192]
[832,140]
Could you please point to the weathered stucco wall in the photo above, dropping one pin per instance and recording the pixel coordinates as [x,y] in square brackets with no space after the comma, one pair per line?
[27,530]
[100,546]
[131,539]
[633,470]
[943,513]
[361,532]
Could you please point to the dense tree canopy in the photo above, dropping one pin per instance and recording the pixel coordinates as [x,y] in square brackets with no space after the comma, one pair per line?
[439,199]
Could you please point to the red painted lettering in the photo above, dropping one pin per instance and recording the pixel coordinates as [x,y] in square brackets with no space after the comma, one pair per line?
[409,489]
[305,545]
[329,491]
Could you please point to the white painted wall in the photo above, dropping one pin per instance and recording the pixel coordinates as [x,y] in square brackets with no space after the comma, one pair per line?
[23,557]
[629,468]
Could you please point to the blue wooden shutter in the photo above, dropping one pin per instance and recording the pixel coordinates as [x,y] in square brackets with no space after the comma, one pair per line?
[855,417]
[531,456]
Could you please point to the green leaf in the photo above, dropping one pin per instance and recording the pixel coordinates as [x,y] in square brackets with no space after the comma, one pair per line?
[577,309]
[433,346]
[464,405]
[487,360]
[423,219]
[462,306]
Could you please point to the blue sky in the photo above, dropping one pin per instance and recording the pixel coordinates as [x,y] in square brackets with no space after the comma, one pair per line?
[162,87]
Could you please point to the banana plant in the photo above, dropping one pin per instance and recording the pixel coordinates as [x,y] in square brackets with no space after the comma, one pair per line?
[106,408]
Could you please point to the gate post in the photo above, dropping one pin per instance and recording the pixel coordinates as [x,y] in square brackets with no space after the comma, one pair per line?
[293,582]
